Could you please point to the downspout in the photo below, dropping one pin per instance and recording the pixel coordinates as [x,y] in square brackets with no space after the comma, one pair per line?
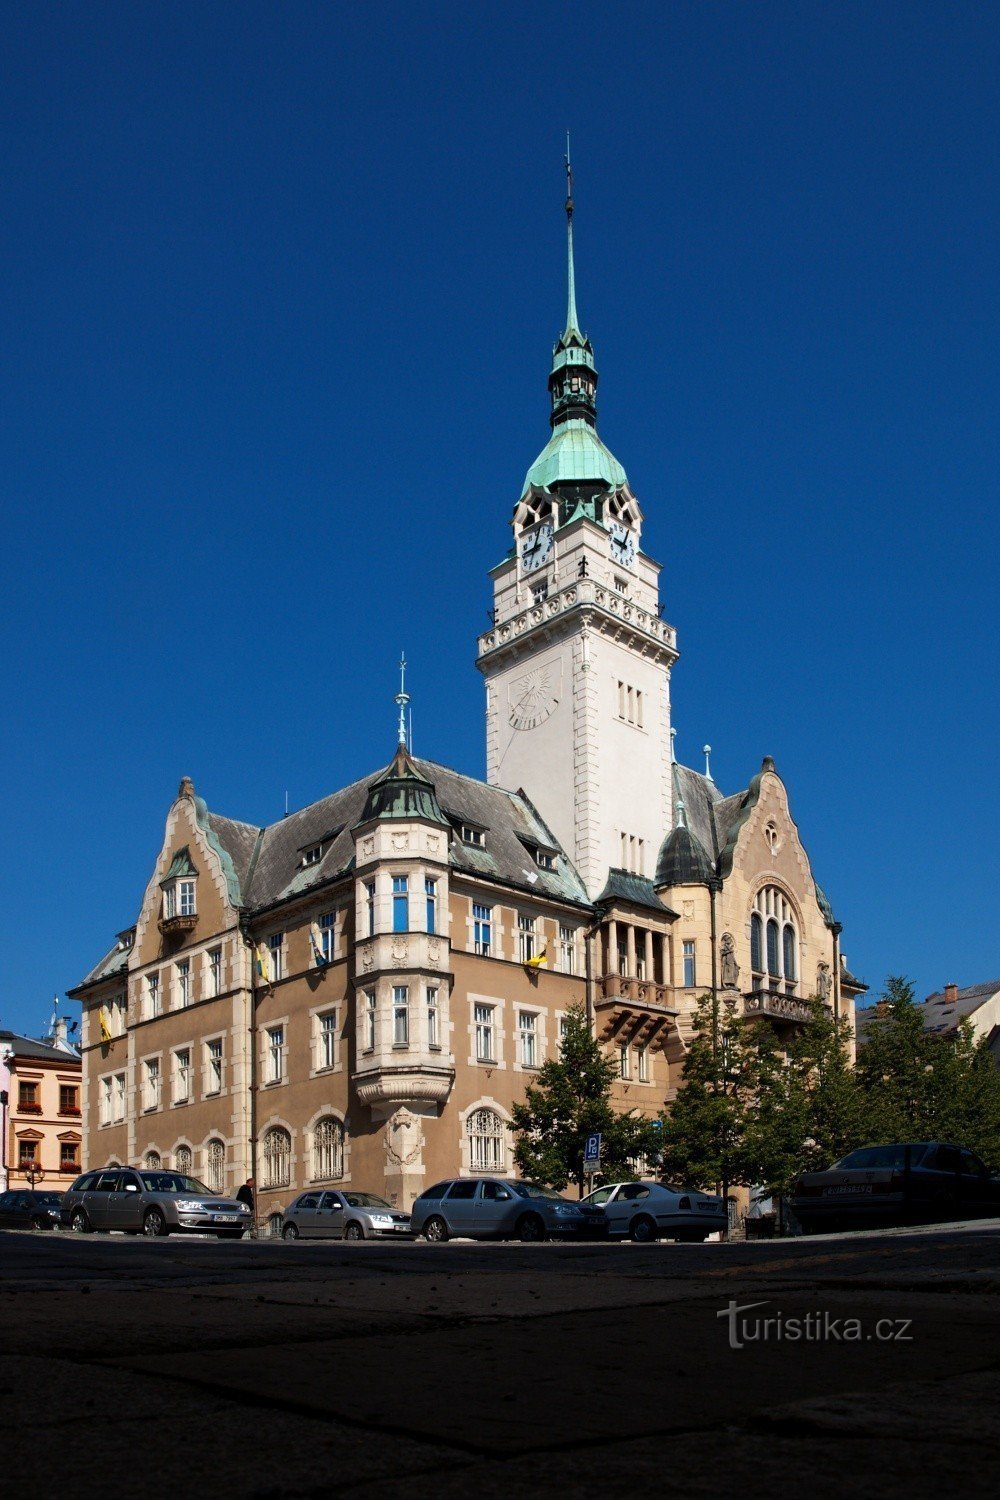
[837,928]
[252,1070]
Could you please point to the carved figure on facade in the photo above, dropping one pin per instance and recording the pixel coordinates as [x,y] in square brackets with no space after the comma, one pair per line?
[404,1139]
[730,968]
[824,983]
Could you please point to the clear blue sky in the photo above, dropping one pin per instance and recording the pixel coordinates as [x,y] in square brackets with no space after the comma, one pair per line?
[280,288]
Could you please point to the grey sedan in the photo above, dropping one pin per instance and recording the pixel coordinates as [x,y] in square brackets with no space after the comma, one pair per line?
[643,1211]
[150,1203]
[343,1216]
[501,1208]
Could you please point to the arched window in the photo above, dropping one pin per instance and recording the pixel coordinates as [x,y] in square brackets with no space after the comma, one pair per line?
[183,1160]
[153,1162]
[274,1226]
[277,1157]
[328,1149]
[774,940]
[756,944]
[215,1166]
[487,1141]
[788,952]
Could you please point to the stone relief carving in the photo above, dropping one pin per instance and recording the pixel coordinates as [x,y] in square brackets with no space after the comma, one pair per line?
[404,1139]
[730,968]
[401,841]
[824,982]
[367,956]
[434,953]
[399,951]
[368,845]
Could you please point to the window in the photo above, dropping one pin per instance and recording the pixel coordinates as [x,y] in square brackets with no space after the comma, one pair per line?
[482,921]
[27,1154]
[328,1039]
[27,1099]
[69,1156]
[433,1034]
[104,1102]
[567,949]
[313,856]
[690,970]
[370,1016]
[430,887]
[370,906]
[151,1083]
[182,1075]
[486,1141]
[400,1016]
[118,1098]
[774,942]
[622,957]
[183,983]
[185,898]
[328,935]
[276,948]
[472,835]
[328,1150]
[277,1155]
[642,1063]
[69,1099]
[213,1066]
[526,938]
[153,1161]
[540,592]
[214,971]
[624,1061]
[184,1160]
[621,584]
[400,904]
[544,860]
[630,707]
[485,1038]
[275,1055]
[152,995]
[215,1166]
[526,1029]
[563,1031]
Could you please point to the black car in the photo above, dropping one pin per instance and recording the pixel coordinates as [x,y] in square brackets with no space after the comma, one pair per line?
[909,1182]
[21,1209]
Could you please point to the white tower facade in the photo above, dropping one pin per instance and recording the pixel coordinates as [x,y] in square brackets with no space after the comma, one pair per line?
[577,662]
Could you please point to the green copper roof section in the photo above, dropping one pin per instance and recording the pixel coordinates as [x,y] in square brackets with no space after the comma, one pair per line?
[573,453]
[179,865]
[401,792]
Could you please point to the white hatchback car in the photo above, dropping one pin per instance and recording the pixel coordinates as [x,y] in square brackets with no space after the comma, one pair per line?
[645,1210]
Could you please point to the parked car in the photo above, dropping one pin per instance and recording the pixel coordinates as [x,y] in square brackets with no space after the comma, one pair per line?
[909,1182]
[501,1208]
[343,1216]
[643,1211]
[21,1209]
[151,1203]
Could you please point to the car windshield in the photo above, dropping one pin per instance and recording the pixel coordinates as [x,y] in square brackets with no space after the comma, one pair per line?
[532,1190]
[366,1200]
[174,1182]
[47,1198]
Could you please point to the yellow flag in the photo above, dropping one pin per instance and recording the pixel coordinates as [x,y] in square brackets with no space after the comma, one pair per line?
[102,1016]
[263,963]
[538,960]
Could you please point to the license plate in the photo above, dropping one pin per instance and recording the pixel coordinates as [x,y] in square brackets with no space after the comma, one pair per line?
[851,1187]
[227,1218]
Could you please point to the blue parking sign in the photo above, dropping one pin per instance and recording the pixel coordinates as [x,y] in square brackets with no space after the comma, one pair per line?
[592,1151]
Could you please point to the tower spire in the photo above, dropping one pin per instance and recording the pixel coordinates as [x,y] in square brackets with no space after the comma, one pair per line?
[402,698]
[572,320]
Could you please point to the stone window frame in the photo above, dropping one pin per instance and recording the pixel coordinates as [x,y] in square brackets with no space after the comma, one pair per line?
[266,1028]
[213,1136]
[148,1057]
[466,1169]
[325,1112]
[206,975]
[499,927]
[540,1014]
[182,1143]
[499,1030]
[190,1097]
[792,918]
[277,1122]
[207,1091]
[316,1064]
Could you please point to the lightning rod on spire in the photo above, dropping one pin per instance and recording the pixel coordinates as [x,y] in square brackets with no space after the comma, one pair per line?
[402,698]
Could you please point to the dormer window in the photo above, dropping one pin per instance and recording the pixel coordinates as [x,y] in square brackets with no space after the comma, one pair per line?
[470,834]
[544,860]
[313,856]
[178,899]
[179,887]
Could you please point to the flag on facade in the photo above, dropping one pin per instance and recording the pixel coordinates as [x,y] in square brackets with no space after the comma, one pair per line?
[263,963]
[316,939]
[538,960]
[102,1016]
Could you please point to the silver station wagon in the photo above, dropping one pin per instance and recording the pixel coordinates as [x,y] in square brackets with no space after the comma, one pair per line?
[151,1203]
[346,1215]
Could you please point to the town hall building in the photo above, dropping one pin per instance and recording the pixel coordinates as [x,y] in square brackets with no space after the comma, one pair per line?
[359,993]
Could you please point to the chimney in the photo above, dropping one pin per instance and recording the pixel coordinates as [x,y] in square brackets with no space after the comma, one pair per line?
[950,994]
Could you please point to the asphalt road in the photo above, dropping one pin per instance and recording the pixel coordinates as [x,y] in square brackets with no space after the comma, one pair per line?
[867,1363]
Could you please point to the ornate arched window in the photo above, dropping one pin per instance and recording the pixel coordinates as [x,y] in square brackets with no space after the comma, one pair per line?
[215,1166]
[153,1162]
[274,1226]
[328,1149]
[774,940]
[277,1157]
[183,1160]
[487,1141]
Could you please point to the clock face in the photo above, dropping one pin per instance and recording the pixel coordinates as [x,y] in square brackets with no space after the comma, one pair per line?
[622,544]
[533,696]
[536,547]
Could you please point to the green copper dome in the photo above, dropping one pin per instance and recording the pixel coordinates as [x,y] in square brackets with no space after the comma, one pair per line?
[573,453]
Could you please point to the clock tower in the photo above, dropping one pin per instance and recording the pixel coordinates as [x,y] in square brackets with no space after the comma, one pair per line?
[577,661]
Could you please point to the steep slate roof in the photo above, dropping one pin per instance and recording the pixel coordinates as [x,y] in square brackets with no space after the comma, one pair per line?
[26,1046]
[940,1015]
[115,961]
[683,860]
[634,889]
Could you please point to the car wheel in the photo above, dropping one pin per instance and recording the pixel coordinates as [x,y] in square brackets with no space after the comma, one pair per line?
[290,1232]
[154,1225]
[80,1223]
[530,1229]
[642,1230]
[354,1232]
[436,1230]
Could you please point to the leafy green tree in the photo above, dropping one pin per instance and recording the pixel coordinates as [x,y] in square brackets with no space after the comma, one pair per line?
[571,1100]
[703,1131]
